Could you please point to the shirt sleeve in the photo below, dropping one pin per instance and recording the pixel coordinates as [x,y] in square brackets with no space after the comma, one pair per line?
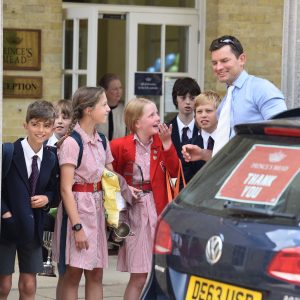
[68,152]
[268,98]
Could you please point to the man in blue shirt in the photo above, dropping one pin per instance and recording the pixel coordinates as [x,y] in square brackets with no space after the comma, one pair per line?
[253,98]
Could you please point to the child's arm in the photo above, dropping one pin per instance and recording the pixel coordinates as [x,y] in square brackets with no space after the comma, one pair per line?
[66,183]
[109,167]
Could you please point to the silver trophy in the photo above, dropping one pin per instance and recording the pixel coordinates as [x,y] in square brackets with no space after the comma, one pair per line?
[120,234]
[48,268]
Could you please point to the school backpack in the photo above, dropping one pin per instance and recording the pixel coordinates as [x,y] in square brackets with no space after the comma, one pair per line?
[8,150]
[7,155]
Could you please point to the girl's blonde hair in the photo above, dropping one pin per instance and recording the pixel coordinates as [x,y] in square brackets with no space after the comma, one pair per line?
[208,97]
[133,111]
[83,98]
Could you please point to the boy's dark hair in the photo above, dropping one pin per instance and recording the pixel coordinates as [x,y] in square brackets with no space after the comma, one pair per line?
[65,107]
[41,110]
[107,78]
[183,86]
[227,40]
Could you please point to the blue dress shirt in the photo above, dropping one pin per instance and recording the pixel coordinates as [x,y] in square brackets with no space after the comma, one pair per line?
[254,99]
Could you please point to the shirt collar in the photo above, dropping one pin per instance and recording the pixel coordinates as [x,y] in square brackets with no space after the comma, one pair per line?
[136,138]
[28,152]
[202,132]
[181,125]
[85,137]
[241,79]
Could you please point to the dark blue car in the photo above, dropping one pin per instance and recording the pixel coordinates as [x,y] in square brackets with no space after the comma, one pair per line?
[233,233]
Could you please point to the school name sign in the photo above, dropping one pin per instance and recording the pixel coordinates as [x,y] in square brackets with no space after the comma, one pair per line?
[262,175]
[21,49]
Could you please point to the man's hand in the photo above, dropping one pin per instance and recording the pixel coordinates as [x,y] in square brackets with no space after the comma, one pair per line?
[193,153]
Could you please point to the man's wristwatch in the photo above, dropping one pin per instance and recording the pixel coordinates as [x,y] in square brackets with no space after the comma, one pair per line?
[77,227]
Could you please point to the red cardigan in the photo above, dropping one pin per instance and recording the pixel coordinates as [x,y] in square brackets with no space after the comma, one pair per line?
[123,150]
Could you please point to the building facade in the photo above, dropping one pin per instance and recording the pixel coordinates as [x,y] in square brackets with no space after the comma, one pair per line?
[148,43]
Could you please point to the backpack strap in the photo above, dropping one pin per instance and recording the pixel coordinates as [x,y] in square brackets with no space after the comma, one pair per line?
[103,138]
[76,136]
[7,152]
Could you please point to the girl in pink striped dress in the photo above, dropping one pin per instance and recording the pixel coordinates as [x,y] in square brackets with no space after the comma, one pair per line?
[147,150]
[86,244]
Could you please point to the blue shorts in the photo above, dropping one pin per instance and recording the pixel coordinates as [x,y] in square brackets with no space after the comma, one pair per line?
[29,256]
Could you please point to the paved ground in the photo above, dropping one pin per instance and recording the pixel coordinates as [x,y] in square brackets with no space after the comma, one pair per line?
[114,284]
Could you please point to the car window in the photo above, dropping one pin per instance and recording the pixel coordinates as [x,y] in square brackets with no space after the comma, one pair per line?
[203,190]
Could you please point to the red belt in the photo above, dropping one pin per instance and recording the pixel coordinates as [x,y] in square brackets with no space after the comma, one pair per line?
[145,186]
[87,187]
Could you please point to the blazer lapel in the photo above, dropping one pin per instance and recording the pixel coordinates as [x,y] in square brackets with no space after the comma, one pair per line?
[45,169]
[195,131]
[19,162]
[176,136]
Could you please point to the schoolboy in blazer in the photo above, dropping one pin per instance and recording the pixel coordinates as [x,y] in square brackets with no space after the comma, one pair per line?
[183,93]
[206,105]
[23,206]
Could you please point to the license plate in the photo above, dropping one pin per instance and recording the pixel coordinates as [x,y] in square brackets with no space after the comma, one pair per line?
[204,289]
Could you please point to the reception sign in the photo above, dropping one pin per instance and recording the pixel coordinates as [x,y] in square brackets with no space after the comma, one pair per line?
[21,49]
[262,176]
[22,87]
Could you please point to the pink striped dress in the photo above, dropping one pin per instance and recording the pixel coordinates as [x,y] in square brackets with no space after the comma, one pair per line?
[135,255]
[89,205]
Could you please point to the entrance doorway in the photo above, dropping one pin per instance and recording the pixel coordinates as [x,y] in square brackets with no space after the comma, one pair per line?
[127,40]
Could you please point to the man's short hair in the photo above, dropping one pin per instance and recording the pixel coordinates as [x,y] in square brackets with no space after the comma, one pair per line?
[183,86]
[41,110]
[227,40]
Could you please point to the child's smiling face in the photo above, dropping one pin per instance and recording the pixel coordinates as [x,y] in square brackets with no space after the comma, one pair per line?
[148,123]
[61,124]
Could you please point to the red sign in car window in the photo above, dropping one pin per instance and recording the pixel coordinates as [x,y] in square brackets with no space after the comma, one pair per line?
[262,176]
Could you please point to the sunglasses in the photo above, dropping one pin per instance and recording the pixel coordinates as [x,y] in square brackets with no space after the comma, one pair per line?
[229,42]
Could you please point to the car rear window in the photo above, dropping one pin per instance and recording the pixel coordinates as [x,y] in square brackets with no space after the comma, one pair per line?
[251,171]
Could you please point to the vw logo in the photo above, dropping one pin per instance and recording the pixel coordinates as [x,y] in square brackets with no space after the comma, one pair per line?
[213,250]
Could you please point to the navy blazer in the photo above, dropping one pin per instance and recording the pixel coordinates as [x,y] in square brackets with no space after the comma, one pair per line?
[26,223]
[187,169]
[197,165]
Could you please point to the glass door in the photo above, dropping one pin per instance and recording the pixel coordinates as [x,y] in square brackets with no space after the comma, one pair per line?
[165,44]
[80,49]
[128,40]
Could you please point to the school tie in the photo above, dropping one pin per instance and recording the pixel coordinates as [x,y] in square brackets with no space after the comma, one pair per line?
[210,143]
[184,136]
[34,174]
[223,128]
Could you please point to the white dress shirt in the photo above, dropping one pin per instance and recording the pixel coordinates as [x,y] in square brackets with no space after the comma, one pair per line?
[29,153]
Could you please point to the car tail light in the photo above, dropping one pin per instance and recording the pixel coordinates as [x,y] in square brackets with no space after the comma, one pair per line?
[286,265]
[163,238]
[282,131]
